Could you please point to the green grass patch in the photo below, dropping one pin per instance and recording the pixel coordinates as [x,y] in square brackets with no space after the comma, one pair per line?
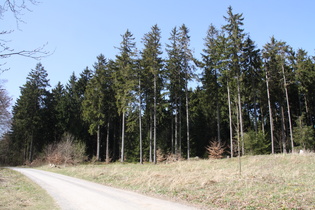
[267,182]
[19,192]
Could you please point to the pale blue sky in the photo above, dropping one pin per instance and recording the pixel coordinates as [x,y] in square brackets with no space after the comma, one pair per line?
[77,31]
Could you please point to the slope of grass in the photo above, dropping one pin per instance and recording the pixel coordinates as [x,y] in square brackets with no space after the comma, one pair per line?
[19,192]
[267,182]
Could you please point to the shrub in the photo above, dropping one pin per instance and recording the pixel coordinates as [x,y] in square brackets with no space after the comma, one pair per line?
[67,151]
[256,143]
[303,134]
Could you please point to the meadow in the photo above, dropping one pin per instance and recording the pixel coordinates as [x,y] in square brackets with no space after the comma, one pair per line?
[282,181]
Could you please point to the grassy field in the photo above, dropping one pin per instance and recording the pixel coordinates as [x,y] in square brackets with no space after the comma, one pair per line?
[18,192]
[266,182]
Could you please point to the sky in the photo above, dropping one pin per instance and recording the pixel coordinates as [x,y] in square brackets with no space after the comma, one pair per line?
[77,31]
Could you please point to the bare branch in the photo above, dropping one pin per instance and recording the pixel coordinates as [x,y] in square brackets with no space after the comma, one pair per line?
[16,7]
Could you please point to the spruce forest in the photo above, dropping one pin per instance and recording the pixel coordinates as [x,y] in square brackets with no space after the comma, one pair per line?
[140,106]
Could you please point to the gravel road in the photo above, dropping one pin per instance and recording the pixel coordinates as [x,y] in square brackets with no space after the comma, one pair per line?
[72,193]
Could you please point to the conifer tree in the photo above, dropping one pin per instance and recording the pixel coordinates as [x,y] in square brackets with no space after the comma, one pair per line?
[94,104]
[152,64]
[188,72]
[235,47]
[211,64]
[124,80]
[59,111]
[175,85]
[28,117]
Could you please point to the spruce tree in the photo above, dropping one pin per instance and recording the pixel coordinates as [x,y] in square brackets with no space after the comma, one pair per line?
[124,81]
[152,64]
[175,87]
[94,103]
[235,37]
[28,112]
[188,72]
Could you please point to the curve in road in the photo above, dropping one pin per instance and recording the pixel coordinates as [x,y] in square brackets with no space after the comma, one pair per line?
[72,193]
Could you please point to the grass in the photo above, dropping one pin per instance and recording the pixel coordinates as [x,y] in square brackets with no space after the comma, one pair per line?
[267,182]
[19,192]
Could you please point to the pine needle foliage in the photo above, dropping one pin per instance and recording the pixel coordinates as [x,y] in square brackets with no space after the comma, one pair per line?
[215,150]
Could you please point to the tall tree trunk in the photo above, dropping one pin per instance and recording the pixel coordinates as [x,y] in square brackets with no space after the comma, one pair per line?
[283,131]
[187,119]
[218,122]
[176,128]
[98,142]
[238,140]
[255,116]
[140,124]
[270,113]
[123,138]
[154,122]
[107,143]
[172,136]
[150,137]
[218,108]
[240,114]
[288,107]
[230,120]
[180,128]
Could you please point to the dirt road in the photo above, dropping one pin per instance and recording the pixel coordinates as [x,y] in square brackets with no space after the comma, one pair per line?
[72,193]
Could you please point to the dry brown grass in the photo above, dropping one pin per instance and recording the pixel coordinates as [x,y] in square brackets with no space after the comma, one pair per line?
[267,182]
[18,192]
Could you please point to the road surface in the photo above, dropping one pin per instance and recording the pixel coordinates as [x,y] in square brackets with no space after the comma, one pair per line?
[75,194]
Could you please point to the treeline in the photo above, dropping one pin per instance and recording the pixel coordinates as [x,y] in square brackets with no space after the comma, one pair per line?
[251,101]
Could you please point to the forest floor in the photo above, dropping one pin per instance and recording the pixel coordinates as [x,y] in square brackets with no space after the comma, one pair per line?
[19,192]
[283,181]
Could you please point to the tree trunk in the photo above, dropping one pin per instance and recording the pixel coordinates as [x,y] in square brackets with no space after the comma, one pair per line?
[107,143]
[255,116]
[154,122]
[218,108]
[283,133]
[218,122]
[172,136]
[180,128]
[240,114]
[140,124]
[30,157]
[238,141]
[176,129]
[187,120]
[288,106]
[150,138]
[123,138]
[230,120]
[270,114]
[98,143]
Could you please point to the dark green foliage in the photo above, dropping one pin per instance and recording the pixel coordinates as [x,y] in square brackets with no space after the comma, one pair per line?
[30,111]
[303,134]
[103,108]
[256,143]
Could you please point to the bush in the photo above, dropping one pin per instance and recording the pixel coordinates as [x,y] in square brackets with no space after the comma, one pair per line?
[256,143]
[215,150]
[67,151]
[303,135]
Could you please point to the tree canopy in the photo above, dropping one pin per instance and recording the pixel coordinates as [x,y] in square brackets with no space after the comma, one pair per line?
[139,106]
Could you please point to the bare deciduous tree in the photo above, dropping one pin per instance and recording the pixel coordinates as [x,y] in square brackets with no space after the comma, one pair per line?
[5,116]
[17,8]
